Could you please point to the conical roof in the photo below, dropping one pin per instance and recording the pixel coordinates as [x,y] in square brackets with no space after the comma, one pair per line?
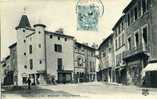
[24,22]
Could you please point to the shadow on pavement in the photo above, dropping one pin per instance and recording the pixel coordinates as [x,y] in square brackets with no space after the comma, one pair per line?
[38,92]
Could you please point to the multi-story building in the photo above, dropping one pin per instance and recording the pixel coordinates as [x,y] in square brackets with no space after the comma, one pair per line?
[84,63]
[119,50]
[141,34]
[13,62]
[7,72]
[106,60]
[45,56]
[60,56]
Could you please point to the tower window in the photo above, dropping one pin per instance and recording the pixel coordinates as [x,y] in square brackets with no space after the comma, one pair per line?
[24,30]
[25,53]
[25,66]
[24,41]
[39,32]
[30,49]
[31,63]
[40,62]
[39,45]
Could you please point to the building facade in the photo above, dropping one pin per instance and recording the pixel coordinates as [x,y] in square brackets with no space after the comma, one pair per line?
[106,60]
[119,50]
[84,63]
[141,38]
[47,57]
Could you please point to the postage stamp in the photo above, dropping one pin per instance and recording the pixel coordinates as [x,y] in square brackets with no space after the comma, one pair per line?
[87,17]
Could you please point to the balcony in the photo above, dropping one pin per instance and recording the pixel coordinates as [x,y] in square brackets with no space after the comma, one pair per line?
[136,51]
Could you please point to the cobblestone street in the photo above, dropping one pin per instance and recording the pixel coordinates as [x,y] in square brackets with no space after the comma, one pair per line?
[81,91]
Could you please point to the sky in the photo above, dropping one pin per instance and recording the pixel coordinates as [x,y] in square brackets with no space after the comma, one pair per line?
[56,14]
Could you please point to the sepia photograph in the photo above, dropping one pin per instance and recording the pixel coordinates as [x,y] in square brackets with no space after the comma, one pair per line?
[78,49]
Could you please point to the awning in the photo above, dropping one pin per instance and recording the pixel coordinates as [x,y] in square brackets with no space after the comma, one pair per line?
[150,67]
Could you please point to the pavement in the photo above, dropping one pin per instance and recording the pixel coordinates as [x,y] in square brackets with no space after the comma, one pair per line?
[92,90]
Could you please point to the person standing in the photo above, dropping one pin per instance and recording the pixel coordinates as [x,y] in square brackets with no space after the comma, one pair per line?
[29,83]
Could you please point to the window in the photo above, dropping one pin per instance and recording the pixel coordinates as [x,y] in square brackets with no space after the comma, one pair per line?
[39,45]
[144,6]
[31,63]
[80,61]
[119,44]
[145,32]
[39,32]
[24,41]
[129,43]
[132,16]
[50,36]
[25,54]
[60,65]
[123,42]
[58,48]
[139,8]
[128,21]
[136,39]
[65,39]
[30,49]
[58,38]
[135,13]
[116,43]
[24,30]
[40,62]
[25,66]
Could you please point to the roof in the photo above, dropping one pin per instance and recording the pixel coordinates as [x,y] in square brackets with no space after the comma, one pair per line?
[78,43]
[24,22]
[39,25]
[105,40]
[59,34]
[120,19]
[129,5]
[12,45]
